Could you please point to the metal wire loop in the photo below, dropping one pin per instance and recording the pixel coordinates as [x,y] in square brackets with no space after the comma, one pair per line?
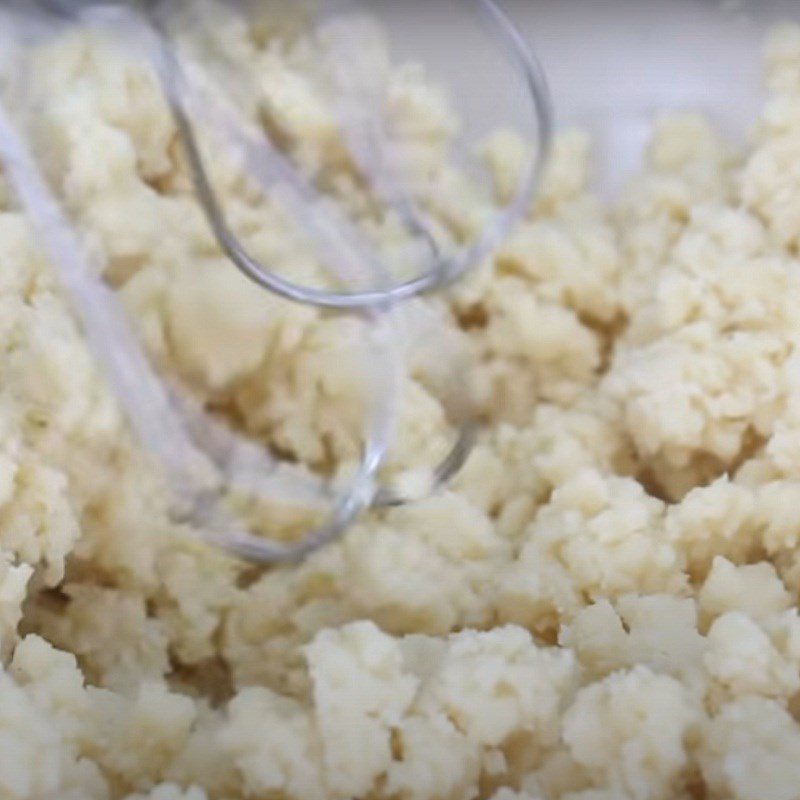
[203,509]
[445,271]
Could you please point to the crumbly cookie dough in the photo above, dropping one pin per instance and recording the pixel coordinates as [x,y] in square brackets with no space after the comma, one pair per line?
[604,606]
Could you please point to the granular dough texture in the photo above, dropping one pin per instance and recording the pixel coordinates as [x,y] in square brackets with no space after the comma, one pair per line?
[604,604]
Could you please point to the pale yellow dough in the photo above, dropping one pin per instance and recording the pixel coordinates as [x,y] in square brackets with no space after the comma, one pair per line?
[604,605]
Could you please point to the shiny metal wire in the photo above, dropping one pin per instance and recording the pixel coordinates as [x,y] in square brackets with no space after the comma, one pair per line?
[203,509]
[443,272]
[149,406]
[183,437]
[262,163]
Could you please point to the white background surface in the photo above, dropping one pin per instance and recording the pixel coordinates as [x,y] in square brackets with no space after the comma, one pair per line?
[612,64]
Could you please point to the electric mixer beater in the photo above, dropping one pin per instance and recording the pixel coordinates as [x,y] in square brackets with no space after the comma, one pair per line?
[204,460]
